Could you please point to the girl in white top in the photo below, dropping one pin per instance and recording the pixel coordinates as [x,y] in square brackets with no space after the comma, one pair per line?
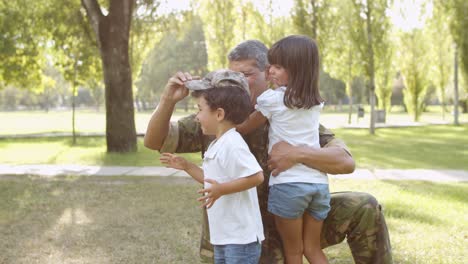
[299,197]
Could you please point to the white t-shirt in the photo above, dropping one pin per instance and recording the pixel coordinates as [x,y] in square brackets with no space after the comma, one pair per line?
[295,126]
[234,218]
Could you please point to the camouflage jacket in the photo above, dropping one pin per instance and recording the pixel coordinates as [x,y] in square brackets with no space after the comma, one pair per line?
[355,216]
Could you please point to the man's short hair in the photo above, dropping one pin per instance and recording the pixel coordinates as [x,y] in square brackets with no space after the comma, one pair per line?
[233,99]
[250,50]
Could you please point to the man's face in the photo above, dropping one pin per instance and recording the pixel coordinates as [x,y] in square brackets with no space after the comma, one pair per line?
[256,78]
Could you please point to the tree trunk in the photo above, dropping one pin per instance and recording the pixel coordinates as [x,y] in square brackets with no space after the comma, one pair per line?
[112,33]
[370,53]
[455,93]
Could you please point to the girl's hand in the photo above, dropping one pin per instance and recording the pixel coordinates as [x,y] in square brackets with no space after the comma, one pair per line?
[211,194]
[173,161]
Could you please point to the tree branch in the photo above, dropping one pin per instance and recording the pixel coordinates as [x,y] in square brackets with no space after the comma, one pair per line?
[93,10]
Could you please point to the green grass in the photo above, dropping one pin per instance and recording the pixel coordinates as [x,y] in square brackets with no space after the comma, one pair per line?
[31,122]
[155,220]
[429,147]
[87,151]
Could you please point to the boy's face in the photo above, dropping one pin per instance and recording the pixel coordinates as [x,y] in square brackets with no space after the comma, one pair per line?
[207,117]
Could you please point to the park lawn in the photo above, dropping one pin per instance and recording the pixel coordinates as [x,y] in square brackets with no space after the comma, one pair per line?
[156,220]
[92,121]
[428,147]
[87,151]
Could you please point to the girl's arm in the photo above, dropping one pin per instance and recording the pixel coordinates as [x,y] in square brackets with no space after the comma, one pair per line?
[254,121]
[216,190]
[176,162]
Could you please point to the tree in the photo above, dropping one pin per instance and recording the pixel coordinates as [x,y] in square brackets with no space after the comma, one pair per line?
[384,73]
[179,50]
[341,58]
[373,26]
[414,68]
[219,19]
[112,35]
[441,63]
[457,11]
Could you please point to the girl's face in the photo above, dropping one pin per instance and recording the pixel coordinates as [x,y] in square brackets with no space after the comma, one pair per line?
[278,75]
[206,117]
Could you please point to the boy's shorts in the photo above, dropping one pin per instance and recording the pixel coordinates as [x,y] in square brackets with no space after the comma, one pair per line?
[290,200]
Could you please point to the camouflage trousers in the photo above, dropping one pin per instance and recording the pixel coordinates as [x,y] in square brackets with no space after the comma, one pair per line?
[355,216]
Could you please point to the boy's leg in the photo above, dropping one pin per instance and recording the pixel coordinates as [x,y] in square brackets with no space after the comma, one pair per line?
[311,237]
[242,253]
[290,231]
[219,254]
[358,217]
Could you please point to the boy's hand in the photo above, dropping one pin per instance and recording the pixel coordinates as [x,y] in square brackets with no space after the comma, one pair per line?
[173,161]
[211,194]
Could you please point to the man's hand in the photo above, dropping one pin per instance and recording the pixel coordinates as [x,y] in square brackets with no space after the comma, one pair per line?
[281,157]
[173,161]
[210,194]
[175,89]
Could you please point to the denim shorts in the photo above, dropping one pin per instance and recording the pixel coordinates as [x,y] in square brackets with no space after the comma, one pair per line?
[290,200]
[237,253]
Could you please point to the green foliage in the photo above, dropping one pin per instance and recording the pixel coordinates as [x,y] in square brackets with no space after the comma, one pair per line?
[21,43]
[317,19]
[219,18]
[331,89]
[414,68]
[457,11]
[177,51]
[441,48]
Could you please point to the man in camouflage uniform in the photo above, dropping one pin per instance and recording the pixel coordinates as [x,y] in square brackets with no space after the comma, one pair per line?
[354,216]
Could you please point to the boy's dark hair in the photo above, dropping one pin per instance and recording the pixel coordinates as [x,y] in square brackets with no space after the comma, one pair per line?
[299,56]
[234,100]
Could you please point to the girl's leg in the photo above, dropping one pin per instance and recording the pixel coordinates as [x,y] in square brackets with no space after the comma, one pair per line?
[311,237]
[290,231]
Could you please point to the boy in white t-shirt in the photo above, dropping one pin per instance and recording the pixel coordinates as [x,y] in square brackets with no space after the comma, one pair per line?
[230,171]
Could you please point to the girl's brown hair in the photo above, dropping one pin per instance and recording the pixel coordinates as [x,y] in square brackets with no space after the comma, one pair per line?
[300,57]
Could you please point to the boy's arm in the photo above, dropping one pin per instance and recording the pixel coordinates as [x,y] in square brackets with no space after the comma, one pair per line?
[195,171]
[254,121]
[179,163]
[216,190]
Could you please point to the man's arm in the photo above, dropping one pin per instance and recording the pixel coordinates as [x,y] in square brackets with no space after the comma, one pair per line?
[330,159]
[158,125]
[333,157]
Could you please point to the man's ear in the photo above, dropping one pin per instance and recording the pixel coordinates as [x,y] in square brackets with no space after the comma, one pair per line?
[220,114]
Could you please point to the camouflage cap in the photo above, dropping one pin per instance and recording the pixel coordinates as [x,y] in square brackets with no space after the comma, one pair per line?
[219,78]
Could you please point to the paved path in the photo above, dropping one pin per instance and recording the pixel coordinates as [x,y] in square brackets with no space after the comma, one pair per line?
[359,174]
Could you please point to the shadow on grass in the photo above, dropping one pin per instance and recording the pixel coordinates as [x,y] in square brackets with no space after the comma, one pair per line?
[98,220]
